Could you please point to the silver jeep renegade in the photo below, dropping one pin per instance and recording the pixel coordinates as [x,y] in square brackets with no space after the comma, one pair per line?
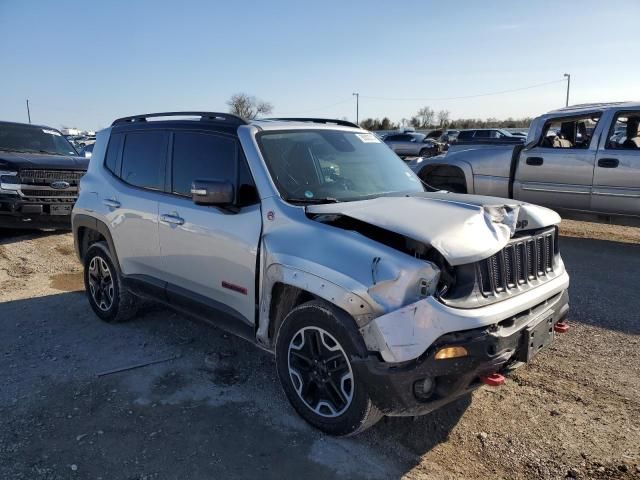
[313,240]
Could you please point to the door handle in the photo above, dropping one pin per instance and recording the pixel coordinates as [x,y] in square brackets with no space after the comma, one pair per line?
[608,162]
[535,161]
[111,203]
[172,219]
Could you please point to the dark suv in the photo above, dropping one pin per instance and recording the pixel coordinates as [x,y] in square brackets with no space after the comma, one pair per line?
[39,176]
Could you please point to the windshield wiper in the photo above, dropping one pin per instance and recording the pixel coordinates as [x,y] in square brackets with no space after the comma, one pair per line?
[312,201]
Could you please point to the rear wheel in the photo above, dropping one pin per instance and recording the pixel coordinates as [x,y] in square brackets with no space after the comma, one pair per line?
[315,348]
[108,298]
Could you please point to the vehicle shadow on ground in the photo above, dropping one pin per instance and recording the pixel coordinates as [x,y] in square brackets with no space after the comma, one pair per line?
[216,409]
[604,282]
[10,235]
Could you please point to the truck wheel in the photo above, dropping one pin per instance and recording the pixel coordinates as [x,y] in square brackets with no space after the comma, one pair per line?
[315,348]
[425,152]
[108,298]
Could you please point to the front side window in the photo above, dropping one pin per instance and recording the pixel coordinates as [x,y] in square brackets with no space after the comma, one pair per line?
[625,132]
[569,132]
[143,159]
[202,156]
[30,139]
[310,166]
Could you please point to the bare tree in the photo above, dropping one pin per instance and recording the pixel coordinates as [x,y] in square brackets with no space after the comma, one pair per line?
[443,118]
[426,115]
[248,106]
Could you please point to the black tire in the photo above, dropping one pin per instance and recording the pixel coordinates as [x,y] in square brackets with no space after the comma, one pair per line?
[357,412]
[111,302]
[425,152]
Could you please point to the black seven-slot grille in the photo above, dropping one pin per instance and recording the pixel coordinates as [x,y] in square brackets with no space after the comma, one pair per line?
[523,261]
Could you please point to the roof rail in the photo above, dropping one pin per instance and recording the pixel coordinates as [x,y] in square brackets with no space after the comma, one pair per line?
[204,117]
[344,123]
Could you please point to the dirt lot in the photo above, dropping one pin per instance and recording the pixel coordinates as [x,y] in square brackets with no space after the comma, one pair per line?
[216,410]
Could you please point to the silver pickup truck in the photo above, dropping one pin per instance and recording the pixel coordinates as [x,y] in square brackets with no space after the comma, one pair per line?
[584,158]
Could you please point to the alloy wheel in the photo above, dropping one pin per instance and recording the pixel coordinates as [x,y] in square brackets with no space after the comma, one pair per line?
[101,283]
[320,372]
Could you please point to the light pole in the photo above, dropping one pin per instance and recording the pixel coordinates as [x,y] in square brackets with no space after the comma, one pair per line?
[28,112]
[357,95]
[568,85]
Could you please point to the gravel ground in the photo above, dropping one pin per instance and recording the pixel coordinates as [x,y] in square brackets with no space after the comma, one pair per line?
[215,409]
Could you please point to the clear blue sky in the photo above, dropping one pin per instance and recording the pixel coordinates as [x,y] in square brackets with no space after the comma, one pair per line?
[85,63]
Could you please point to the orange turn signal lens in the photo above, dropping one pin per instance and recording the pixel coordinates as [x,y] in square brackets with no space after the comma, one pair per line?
[451,352]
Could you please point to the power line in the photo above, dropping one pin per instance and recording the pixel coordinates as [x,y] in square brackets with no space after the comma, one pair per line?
[464,96]
[372,97]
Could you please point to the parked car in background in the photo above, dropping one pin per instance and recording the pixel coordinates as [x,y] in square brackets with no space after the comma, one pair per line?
[584,158]
[483,134]
[519,134]
[39,176]
[412,144]
[450,136]
[87,150]
[312,239]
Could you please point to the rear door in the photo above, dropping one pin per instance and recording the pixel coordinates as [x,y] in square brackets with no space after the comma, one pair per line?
[616,183]
[210,253]
[130,198]
[557,177]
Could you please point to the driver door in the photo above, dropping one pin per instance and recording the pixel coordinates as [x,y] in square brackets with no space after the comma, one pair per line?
[210,253]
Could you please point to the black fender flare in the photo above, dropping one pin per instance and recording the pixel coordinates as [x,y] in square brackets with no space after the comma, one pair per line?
[86,221]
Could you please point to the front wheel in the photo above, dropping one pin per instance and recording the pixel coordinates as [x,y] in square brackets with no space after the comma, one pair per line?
[426,153]
[315,348]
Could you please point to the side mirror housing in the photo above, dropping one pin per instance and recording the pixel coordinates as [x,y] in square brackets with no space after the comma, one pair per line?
[212,192]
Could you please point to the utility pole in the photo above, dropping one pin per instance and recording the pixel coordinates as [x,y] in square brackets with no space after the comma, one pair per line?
[28,112]
[357,95]
[568,76]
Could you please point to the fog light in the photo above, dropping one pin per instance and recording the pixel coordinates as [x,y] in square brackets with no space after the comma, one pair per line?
[423,389]
[451,352]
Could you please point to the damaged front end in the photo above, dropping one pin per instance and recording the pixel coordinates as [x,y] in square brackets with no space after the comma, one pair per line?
[472,257]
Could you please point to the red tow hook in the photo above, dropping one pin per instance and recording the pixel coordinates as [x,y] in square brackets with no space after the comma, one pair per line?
[493,380]
[561,327]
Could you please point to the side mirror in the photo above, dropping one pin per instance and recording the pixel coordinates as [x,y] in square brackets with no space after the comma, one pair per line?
[212,192]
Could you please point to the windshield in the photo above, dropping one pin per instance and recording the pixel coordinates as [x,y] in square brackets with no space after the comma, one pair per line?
[30,139]
[312,166]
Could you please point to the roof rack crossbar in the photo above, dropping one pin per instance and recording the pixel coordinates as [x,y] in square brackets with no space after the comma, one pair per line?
[344,123]
[204,117]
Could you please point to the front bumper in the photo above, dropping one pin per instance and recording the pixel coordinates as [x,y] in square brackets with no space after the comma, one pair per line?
[17,213]
[494,348]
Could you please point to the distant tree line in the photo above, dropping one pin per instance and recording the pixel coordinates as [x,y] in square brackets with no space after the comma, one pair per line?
[249,107]
[426,118]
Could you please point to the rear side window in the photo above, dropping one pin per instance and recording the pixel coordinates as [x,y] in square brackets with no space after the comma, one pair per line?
[143,159]
[111,161]
[466,135]
[483,134]
[202,156]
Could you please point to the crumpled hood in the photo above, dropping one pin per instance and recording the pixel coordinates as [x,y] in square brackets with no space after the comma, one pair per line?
[15,160]
[463,228]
